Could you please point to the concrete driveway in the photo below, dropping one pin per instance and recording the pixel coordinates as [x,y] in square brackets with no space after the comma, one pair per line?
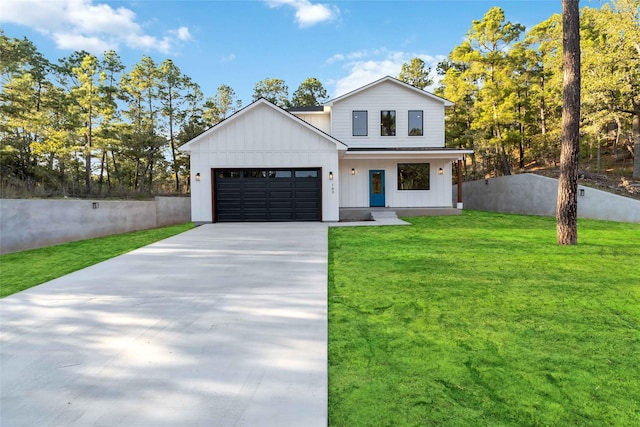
[224,325]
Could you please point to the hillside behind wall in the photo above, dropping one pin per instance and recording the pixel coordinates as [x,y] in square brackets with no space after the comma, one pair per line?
[28,224]
[536,195]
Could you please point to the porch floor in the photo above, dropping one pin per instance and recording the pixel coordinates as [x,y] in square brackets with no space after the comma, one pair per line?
[364,214]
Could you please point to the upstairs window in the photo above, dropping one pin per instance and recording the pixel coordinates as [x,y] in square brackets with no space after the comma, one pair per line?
[415,123]
[360,125]
[387,123]
[413,176]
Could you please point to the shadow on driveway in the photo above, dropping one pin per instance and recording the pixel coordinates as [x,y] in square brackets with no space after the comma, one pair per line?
[223,325]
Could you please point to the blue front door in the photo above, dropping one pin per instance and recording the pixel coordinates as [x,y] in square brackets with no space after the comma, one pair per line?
[376,188]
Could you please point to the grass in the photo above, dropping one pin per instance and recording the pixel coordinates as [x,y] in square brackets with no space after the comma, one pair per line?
[482,319]
[22,270]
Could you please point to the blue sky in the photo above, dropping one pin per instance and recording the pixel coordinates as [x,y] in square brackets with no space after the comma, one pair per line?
[345,44]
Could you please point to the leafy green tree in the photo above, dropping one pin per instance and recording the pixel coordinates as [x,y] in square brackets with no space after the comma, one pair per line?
[273,90]
[491,39]
[175,92]
[459,86]
[485,72]
[611,76]
[140,92]
[92,106]
[224,103]
[112,68]
[543,44]
[309,93]
[415,74]
[24,74]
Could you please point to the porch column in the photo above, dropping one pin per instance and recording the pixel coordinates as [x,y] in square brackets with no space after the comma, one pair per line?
[459,184]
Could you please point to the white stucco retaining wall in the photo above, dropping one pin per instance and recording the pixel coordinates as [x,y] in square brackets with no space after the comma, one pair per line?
[536,195]
[28,224]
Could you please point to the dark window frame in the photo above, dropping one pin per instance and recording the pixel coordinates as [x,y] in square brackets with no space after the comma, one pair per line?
[280,174]
[390,129]
[407,177]
[410,129]
[366,123]
[305,173]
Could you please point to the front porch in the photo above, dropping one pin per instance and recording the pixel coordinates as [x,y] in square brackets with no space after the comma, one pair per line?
[364,214]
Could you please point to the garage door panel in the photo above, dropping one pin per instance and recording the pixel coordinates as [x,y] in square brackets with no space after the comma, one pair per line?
[280,204]
[306,205]
[304,183]
[267,195]
[250,184]
[281,216]
[229,215]
[305,194]
[288,195]
[255,198]
[281,183]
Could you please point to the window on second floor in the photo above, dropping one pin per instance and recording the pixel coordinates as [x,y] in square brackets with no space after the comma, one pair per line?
[359,123]
[415,123]
[387,123]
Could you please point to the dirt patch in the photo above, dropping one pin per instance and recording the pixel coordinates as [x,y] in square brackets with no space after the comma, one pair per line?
[605,181]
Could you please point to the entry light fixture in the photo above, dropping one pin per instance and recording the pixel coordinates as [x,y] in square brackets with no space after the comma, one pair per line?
[330,175]
[353,171]
[581,191]
[440,171]
[198,176]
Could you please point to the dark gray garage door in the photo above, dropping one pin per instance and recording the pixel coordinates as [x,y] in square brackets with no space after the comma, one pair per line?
[267,195]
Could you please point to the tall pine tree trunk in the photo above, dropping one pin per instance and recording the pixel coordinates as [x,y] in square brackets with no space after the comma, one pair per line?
[567,202]
[636,140]
[116,171]
[87,157]
[102,164]
[543,110]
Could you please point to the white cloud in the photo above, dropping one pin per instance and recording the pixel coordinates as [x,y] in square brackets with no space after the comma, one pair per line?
[307,13]
[84,24]
[366,66]
[79,42]
[183,33]
[335,58]
[228,58]
[338,57]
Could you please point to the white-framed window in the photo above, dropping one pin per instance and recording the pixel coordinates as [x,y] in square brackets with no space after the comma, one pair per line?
[387,123]
[360,123]
[416,123]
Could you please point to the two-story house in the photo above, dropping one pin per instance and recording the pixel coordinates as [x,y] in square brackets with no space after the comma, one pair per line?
[380,146]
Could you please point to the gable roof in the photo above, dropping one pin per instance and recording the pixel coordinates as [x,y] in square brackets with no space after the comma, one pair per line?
[446,102]
[254,105]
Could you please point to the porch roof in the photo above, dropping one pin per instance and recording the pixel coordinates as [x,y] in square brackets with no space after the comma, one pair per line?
[405,152]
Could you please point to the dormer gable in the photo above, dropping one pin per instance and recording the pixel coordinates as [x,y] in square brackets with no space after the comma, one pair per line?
[388,113]
[393,80]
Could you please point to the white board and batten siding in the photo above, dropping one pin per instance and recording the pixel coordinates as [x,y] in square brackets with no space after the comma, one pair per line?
[321,121]
[262,138]
[355,188]
[388,95]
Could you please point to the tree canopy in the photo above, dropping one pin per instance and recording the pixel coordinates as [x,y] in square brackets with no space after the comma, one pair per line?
[309,93]
[91,125]
[415,74]
[506,83]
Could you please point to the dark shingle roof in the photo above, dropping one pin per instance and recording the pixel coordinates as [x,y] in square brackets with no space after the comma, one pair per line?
[312,108]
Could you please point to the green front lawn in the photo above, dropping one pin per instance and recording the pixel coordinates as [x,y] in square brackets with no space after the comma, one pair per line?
[22,270]
[482,319]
